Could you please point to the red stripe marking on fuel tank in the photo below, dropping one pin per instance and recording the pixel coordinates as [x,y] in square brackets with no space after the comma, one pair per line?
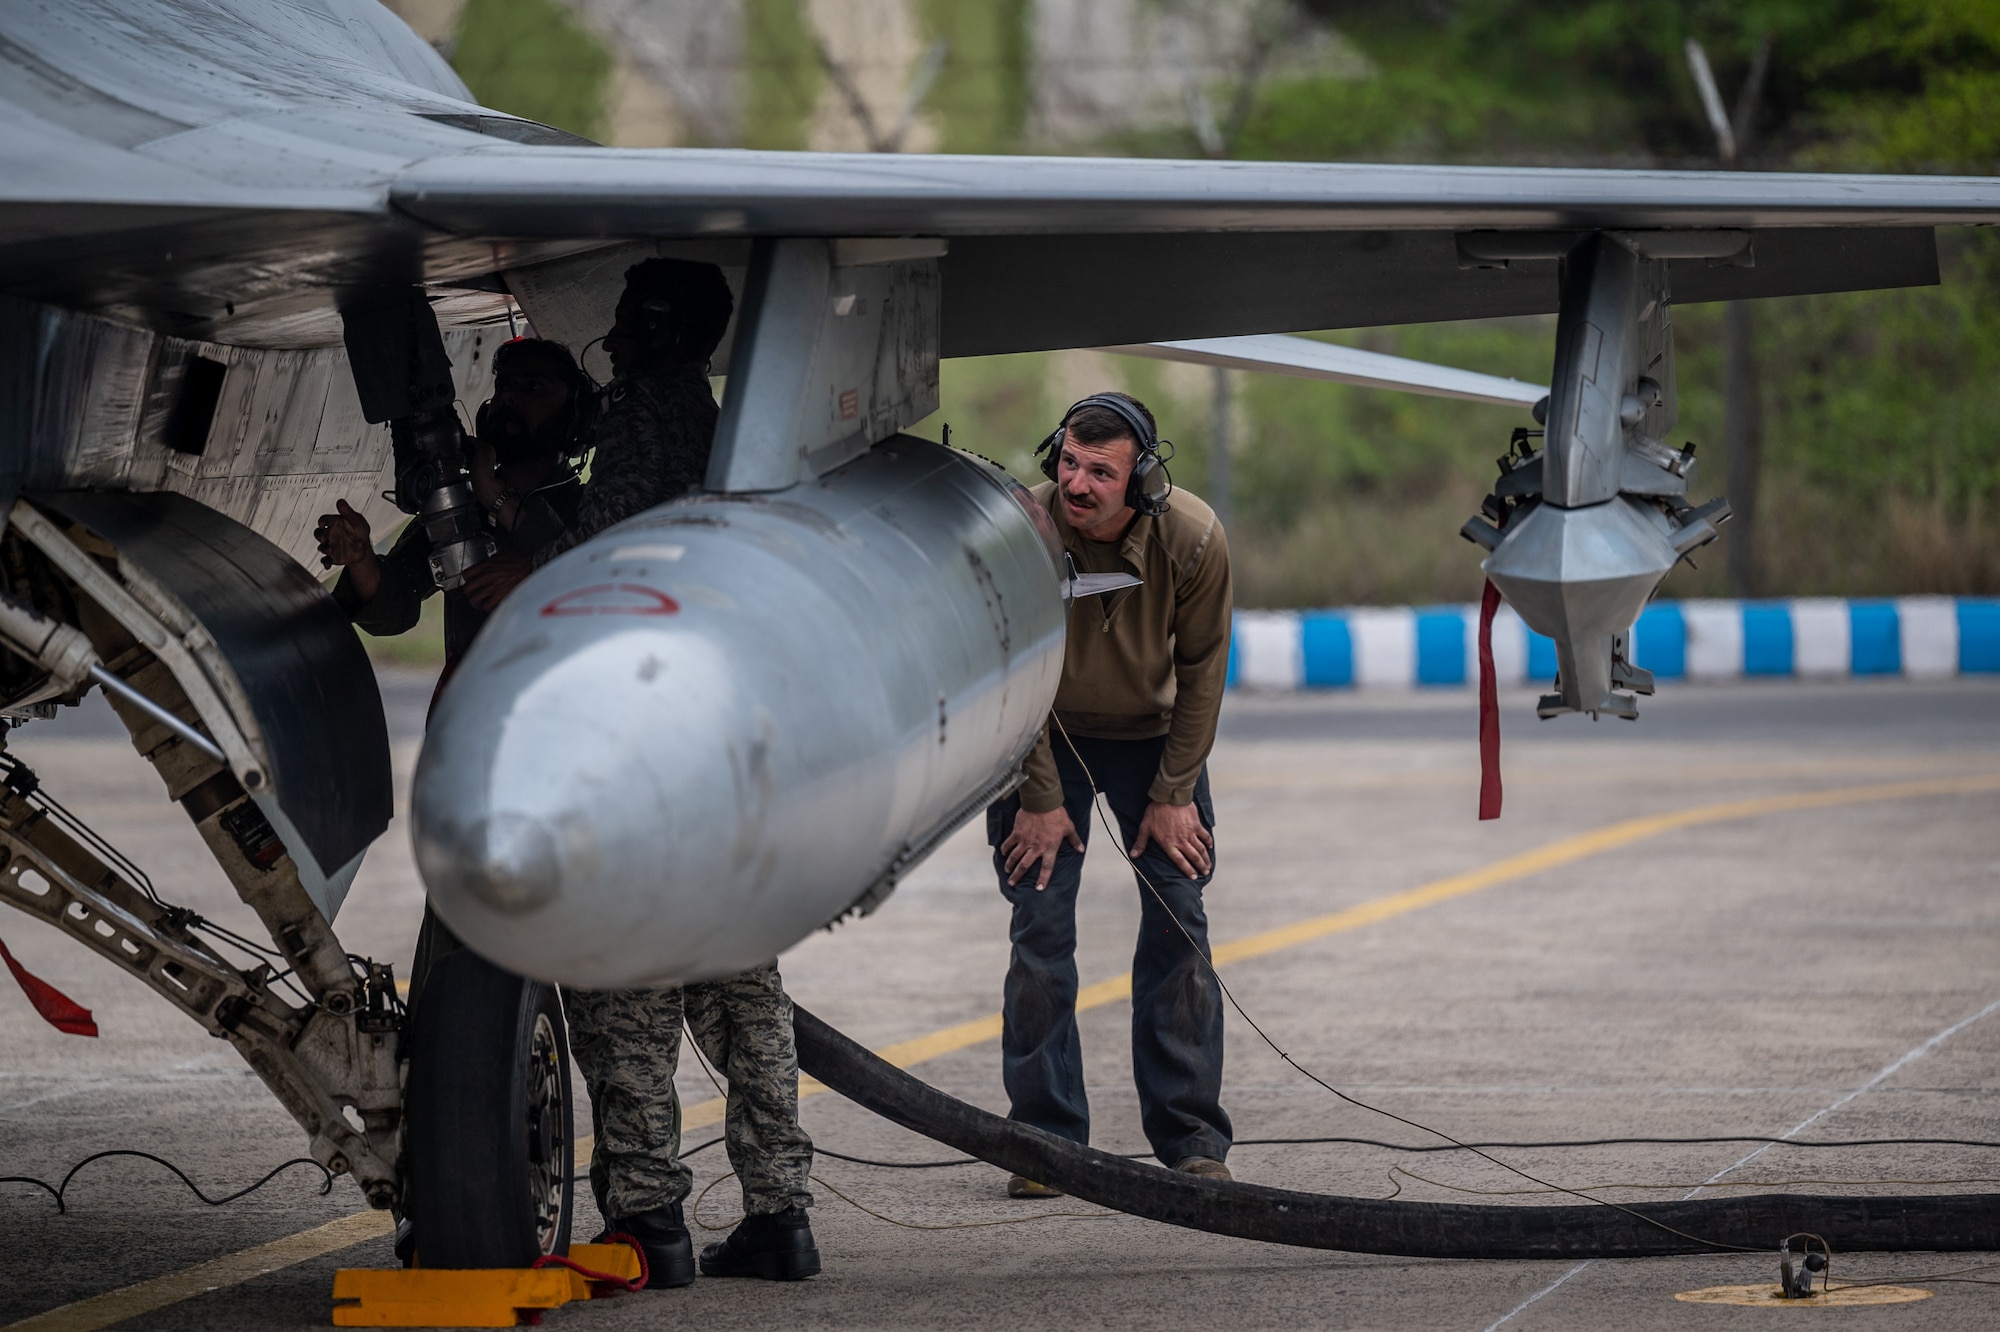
[592,601]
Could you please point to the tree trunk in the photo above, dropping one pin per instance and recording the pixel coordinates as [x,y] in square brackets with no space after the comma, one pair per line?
[1742,442]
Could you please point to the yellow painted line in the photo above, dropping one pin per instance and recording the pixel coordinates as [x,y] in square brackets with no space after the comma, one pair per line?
[101,1311]
[1565,851]
[229,1270]
[1569,850]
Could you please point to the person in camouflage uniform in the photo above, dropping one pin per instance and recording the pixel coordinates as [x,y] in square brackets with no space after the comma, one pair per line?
[627,1042]
[653,442]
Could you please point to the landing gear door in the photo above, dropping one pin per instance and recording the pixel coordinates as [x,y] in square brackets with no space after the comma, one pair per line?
[281,657]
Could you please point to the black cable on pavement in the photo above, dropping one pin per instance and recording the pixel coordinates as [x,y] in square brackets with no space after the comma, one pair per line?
[1468,1146]
[57,1191]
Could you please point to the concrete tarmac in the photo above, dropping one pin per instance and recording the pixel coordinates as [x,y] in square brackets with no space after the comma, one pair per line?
[1831,965]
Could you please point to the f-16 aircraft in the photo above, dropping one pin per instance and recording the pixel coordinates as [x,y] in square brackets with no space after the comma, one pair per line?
[253,252]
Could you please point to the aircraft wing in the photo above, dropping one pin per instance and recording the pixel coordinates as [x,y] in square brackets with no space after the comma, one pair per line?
[1039,253]
[527,191]
[1046,252]
[210,180]
[223,170]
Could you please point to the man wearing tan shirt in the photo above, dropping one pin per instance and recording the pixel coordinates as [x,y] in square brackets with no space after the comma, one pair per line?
[1134,718]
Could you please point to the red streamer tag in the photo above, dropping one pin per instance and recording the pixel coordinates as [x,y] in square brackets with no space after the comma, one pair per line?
[63,1013]
[613,1284]
[1489,709]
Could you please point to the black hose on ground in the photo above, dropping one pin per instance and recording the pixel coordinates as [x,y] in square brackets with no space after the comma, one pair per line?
[1955,1222]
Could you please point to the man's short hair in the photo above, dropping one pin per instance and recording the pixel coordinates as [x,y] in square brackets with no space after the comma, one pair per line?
[688,302]
[1102,425]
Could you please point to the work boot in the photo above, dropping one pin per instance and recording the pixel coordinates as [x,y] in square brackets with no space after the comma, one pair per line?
[1204,1167]
[1020,1186]
[777,1246]
[663,1234]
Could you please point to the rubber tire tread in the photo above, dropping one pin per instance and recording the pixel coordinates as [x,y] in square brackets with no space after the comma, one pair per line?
[467,1116]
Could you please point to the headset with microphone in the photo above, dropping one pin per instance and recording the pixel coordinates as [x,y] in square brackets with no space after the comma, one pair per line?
[1150,485]
[659,330]
[579,421]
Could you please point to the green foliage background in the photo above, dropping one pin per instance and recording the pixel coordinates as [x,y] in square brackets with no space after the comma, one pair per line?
[531,58]
[1882,462]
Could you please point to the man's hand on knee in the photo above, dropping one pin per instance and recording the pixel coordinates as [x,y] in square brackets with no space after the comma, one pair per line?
[1178,832]
[1037,837]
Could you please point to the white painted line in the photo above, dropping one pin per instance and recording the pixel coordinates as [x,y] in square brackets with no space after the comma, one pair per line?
[1929,628]
[1269,651]
[1888,1070]
[1714,639]
[1821,637]
[1549,1289]
[1385,646]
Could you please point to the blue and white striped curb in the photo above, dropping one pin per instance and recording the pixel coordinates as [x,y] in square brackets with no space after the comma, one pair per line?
[1923,638]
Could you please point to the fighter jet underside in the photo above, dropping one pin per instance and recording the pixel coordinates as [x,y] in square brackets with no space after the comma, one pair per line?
[712,729]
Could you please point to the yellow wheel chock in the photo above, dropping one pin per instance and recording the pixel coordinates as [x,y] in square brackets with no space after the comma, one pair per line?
[503,1297]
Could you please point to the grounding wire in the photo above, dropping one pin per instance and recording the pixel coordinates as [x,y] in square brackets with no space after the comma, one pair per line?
[95,841]
[184,917]
[1282,1053]
[1098,805]
[57,1191]
[1454,1147]
[1398,1173]
[25,781]
[1450,1143]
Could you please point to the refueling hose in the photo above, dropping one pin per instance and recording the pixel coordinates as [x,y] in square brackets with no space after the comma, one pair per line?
[1945,1223]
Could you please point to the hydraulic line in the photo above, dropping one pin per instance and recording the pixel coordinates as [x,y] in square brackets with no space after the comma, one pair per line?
[1945,1223]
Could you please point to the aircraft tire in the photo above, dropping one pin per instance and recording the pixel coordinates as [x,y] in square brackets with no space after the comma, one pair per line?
[489,1118]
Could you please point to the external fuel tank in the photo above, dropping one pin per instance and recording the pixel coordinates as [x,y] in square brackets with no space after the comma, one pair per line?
[680,748]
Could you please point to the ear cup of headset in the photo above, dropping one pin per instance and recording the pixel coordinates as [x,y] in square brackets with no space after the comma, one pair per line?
[1149,486]
[583,405]
[659,319]
[1050,450]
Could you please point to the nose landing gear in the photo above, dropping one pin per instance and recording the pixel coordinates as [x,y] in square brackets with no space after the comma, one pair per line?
[489,1127]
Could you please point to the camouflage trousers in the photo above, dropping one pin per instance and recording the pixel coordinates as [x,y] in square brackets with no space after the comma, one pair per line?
[628,1044]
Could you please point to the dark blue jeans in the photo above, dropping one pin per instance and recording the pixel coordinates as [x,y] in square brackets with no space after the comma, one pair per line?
[1176,1003]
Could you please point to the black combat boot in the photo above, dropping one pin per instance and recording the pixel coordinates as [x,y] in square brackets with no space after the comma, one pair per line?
[777,1247]
[663,1234]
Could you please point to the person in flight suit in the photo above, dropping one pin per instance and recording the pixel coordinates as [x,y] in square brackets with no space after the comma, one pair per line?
[653,442]
[1135,716]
